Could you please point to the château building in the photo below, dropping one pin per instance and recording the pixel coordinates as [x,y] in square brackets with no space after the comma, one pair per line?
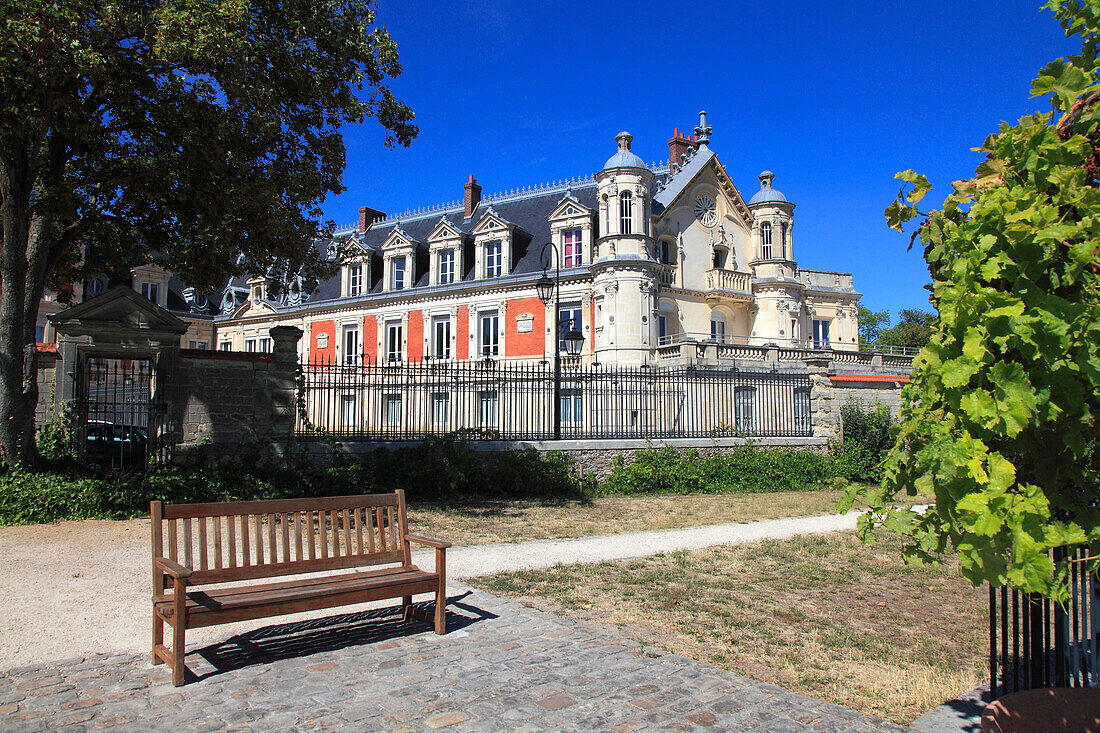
[652,258]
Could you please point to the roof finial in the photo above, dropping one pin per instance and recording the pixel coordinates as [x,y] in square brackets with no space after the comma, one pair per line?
[703,130]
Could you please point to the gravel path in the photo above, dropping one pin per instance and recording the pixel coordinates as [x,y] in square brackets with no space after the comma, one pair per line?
[80,588]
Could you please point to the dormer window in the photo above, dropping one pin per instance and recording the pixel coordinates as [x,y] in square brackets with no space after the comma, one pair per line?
[446,267]
[493,259]
[572,251]
[151,291]
[355,279]
[766,241]
[626,213]
[398,274]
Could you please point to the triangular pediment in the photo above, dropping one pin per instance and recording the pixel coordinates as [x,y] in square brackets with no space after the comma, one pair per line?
[569,207]
[398,239]
[444,230]
[118,307]
[492,222]
[261,308]
[703,167]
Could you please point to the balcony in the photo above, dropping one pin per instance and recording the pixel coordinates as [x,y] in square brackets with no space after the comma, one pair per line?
[729,284]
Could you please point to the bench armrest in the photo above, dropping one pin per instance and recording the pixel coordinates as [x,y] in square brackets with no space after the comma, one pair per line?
[172,567]
[429,541]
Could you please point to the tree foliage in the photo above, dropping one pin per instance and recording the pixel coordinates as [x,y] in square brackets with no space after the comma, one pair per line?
[201,135]
[913,330]
[1001,417]
[871,324]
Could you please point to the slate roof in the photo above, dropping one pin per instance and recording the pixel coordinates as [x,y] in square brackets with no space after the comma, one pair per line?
[528,212]
[674,185]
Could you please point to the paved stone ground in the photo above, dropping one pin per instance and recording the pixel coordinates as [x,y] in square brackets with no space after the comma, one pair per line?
[502,667]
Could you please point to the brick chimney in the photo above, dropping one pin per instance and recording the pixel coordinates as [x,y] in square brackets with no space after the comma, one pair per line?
[679,145]
[473,196]
[368,216]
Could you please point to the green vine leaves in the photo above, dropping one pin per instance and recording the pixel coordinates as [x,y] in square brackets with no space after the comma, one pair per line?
[1000,424]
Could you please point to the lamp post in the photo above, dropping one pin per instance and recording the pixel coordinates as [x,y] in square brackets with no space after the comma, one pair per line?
[548,289]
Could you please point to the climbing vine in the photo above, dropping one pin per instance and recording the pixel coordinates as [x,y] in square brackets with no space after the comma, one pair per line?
[1000,423]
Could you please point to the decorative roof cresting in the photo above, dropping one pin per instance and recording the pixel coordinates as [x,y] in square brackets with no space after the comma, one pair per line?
[767,194]
[624,158]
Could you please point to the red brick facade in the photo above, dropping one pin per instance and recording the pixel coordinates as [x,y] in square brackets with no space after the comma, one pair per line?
[370,340]
[416,336]
[328,353]
[462,333]
[532,343]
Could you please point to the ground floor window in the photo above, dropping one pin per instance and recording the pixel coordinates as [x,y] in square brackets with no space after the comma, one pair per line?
[349,411]
[441,408]
[802,410]
[489,403]
[744,405]
[572,406]
[393,409]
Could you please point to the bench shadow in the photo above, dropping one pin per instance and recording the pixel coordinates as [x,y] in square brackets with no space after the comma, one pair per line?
[305,638]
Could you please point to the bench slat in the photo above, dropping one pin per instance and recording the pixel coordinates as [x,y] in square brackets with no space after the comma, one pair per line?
[188,560]
[271,570]
[246,555]
[272,548]
[172,541]
[359,515]
[277,506]
[323,542]
[202,543]
[259,529]
[284,524]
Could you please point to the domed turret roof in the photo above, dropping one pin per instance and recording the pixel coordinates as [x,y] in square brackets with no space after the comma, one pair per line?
[624,158]
[767,194]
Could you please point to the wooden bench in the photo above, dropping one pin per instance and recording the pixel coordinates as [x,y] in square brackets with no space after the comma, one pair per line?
[196,545]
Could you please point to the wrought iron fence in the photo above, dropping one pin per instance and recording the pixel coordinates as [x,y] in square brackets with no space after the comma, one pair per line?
[489,400]
[115,421]
[1036,643]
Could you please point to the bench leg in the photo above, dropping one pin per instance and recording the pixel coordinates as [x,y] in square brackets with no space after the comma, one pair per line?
[406,608]
[158,637]
[179,634]
[441,592]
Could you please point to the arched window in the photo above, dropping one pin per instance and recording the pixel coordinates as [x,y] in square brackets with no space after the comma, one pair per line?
[766,241]
[626,213]
[718,327]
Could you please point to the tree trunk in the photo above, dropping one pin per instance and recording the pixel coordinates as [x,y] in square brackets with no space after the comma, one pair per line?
[18,316]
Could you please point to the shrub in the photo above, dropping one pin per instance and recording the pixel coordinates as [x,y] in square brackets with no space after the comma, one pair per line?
[744,469]
[869,434]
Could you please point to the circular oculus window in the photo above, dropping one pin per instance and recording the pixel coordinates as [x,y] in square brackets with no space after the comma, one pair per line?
[705,210]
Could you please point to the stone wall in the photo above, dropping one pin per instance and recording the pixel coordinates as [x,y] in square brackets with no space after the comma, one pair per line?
[231,404]
[596,457]
[47,370]
[870,394]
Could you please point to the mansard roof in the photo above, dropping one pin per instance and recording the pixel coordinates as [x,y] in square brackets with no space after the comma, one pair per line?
[529,212]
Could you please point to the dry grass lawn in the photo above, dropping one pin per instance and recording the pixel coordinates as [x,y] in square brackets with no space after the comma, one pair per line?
[516,521]
[824,615]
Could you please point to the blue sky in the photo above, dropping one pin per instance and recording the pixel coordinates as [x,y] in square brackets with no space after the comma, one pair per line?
[833,97]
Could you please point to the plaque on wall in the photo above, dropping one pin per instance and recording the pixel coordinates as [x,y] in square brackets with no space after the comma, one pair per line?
[322,340]
[525,323]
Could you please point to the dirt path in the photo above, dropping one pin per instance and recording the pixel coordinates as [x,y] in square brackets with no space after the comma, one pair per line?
[77,588]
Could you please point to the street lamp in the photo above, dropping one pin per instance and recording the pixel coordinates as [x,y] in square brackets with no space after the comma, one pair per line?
[574,341]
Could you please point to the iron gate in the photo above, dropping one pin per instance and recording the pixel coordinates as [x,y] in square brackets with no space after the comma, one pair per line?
[117,423]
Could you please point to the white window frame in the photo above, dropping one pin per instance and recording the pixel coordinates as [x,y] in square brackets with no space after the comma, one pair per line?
[575,313]
[488,408]
[355,279]
[225,346]
[398,273]
[822,327]
[766,241]
[251,345]
[393,408]
[571,406]
[626,213]
[494,258]
[200,345]
[267,345]
[802,410]
[441,337]
[441,408]
[446,266]
[395,333]
[718,327]
[351,342]
[151,291]
[349,410]
[572,247]
[488,341]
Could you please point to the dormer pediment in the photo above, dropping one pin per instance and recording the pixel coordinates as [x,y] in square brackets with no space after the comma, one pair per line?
[492,223]
[444,231]
[702,169]
[397,240]
[568,208]
[355,251]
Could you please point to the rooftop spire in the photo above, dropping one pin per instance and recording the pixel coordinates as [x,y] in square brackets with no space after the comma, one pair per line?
[703,130]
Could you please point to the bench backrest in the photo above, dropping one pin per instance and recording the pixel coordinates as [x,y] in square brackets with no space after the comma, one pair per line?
[243,540]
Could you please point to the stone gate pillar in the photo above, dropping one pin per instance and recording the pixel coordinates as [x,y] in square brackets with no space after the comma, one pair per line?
[824,410]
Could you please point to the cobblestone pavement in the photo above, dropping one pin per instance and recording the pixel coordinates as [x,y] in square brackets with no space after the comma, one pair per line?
[501,667]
